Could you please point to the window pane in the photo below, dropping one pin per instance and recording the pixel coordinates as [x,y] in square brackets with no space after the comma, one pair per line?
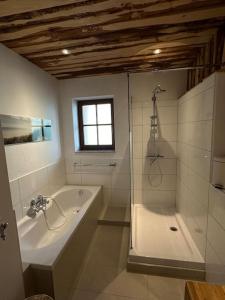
[104,113]
[37,134]
[89,114]
[105,135]
[90,135]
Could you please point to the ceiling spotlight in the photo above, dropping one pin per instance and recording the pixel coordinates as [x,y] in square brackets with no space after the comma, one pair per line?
[66,51]
[157,51]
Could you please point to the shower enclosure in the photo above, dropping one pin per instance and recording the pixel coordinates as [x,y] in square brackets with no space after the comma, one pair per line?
[160,240]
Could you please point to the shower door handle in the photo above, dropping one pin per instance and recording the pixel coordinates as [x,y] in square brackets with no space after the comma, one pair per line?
[3,227]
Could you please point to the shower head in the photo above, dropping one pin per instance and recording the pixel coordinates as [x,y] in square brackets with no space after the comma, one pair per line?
[158,90]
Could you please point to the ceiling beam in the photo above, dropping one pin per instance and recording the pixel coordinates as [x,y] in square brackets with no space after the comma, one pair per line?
[113,18]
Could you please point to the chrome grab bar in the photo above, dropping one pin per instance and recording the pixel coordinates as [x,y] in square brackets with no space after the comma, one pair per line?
[155,156]
[113,164]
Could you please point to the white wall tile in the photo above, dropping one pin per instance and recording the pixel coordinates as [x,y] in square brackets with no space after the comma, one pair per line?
[217,205]
[41,178]
[137,150]
[137,166]
[167,149]
[199,187]
[199,161]
[18,211]
[216,237]
[137,134]
[137,116]
[28,185]
[155,182]
[162,188]
[207,104]
[166,133]
[195,113]
[97,179]
[107,195]
[122,166]
[158,198]
[120,181]
[38,182]
[215,268]
[120,197]
[164,165]
[75,179]
[166,114]
[15,191]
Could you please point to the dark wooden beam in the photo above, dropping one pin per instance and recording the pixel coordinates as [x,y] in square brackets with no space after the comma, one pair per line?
[115,34]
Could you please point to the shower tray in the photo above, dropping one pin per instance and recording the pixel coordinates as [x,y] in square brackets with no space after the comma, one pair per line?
[162,244]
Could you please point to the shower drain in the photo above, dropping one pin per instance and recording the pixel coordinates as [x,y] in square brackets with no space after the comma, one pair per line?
[173,228]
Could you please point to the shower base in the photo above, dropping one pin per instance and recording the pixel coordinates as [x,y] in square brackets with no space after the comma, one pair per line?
[162,244]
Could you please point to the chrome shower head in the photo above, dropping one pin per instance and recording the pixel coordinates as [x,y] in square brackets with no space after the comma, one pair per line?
[158,90]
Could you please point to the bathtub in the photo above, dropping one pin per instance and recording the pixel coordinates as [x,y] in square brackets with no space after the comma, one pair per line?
[54,244]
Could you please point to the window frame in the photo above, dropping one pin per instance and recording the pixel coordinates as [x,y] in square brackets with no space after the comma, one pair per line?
[84,147]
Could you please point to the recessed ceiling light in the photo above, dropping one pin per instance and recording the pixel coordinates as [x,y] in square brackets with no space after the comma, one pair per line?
[66,51]
[157,51]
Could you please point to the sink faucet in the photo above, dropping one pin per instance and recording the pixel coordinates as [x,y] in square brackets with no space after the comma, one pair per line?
[37,204]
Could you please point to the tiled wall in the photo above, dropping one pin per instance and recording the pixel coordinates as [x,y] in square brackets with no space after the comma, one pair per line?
[148,186]
[200,138]
[115,180]
[45,181]
[195,118]
[215,250]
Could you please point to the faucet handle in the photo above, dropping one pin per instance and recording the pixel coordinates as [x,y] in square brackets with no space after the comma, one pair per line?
[33,202]
[40,197]
[46,199]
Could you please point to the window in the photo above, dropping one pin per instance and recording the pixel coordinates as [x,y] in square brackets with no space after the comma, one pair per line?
[96,124]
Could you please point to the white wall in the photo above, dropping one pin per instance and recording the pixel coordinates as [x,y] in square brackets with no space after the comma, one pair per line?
[26,90]
[115,181]
[141,85]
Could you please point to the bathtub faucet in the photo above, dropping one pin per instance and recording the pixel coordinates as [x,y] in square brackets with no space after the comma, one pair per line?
[37,204]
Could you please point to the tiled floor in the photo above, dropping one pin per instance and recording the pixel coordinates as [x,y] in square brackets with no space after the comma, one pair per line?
[111,213]
[104,276]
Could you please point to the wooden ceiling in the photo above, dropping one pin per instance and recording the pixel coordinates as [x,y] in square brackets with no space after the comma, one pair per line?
[109,36]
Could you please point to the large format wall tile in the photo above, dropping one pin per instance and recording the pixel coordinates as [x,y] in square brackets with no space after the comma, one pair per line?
[155,183]
[44,181]
[195,114]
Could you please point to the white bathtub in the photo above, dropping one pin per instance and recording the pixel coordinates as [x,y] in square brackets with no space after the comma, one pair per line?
[42,246]
[48,250]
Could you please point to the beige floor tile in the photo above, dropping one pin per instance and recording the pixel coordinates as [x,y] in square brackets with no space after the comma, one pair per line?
[129,285]
[104,275]
[110,246]
[160,288]
[115,213]
[96,277]
[87,295]
[105,279]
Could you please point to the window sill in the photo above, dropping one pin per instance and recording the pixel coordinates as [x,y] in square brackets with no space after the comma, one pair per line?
[95,151]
